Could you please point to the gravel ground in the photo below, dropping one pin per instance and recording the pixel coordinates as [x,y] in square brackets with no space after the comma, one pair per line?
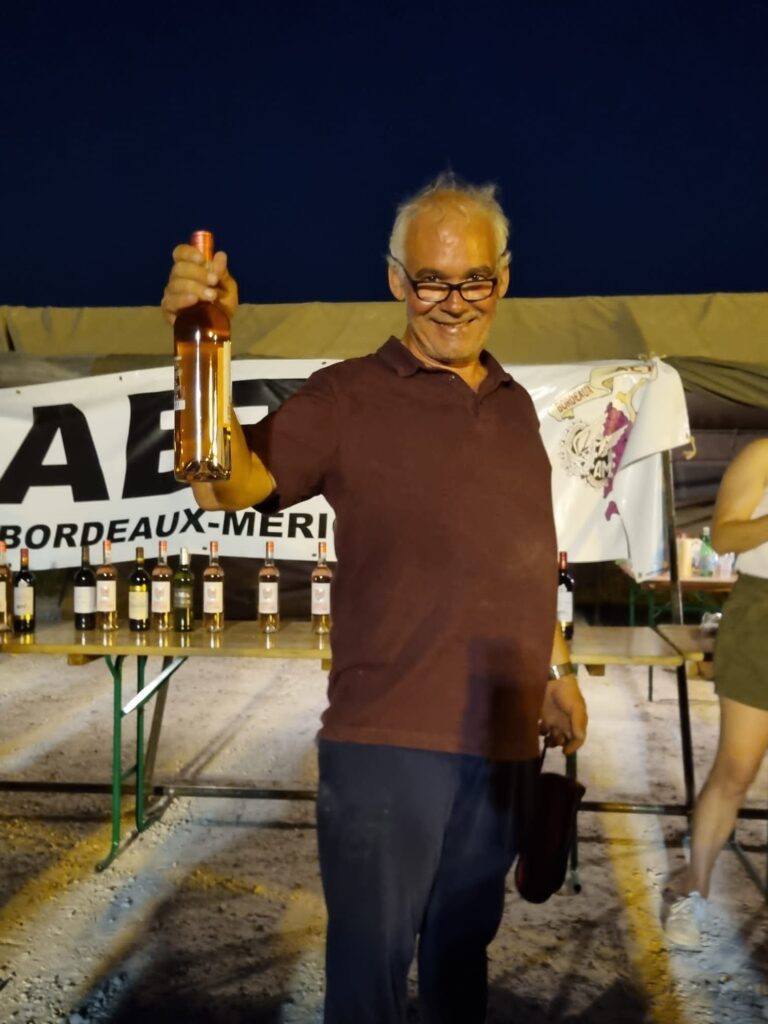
[215,914]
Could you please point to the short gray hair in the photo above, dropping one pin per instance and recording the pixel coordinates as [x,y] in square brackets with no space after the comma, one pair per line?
[461,194]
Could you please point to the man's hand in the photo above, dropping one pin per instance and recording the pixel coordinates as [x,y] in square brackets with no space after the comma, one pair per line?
[563,715]
[192,280]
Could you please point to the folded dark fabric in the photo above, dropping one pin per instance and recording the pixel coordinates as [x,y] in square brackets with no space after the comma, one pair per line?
[547,838]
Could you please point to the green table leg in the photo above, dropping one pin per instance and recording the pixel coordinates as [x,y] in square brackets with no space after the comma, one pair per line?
[116,670]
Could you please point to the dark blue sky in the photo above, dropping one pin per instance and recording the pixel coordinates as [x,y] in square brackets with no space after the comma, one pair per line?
[629,140]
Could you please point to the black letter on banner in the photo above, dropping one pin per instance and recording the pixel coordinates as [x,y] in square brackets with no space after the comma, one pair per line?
[45,536]
[146,443]
[166,531]
[92,533]
[193,519]
[65,534]
[271,393]
[117,529]
[81,471]
[271,526]
[141,529]
[299,522]
[233,525]
[11,535]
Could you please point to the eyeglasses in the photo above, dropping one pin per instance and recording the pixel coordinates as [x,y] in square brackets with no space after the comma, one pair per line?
[438,291]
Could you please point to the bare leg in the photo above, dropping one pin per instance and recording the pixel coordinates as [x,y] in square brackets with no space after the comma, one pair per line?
[742,745]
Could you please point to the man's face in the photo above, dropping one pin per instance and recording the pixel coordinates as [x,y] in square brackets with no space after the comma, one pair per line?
[448,244]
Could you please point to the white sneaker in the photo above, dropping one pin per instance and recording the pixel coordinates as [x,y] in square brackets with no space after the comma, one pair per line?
[686,916]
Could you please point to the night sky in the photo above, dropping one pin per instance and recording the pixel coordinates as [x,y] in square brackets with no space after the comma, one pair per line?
[629,140]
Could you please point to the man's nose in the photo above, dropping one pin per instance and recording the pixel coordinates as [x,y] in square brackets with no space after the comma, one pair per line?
[455,303]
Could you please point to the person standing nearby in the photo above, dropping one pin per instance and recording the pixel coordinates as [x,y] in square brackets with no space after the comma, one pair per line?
[740,524]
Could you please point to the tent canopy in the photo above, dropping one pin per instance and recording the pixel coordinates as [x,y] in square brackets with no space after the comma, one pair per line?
[708,338]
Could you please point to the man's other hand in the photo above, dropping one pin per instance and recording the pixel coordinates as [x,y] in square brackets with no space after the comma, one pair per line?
[563,715]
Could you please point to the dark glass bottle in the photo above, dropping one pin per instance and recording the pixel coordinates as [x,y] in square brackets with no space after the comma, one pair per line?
[138,595]
[24,596]
[85,593]
[565,597]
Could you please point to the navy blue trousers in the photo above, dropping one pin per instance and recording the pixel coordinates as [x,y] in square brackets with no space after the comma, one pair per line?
[413,845]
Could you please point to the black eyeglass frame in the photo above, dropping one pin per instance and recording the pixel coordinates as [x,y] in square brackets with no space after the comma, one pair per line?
[415,285]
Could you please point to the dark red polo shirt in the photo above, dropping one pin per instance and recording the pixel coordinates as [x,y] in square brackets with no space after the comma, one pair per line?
[445,590]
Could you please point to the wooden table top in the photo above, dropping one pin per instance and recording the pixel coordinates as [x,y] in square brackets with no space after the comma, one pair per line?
[702,584]
[692,643]
[591,645]
[621,645]
[237,639]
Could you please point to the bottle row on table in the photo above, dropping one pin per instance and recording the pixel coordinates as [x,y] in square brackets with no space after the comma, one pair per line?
[160,599]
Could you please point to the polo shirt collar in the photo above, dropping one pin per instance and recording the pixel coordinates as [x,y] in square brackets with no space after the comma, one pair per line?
[405,364]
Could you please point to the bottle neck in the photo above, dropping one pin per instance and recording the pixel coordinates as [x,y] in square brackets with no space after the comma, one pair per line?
[24,559]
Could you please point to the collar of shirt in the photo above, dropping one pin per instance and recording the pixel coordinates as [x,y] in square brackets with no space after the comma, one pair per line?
[405,364]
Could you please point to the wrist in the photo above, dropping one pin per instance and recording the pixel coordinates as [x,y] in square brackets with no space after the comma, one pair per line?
[565,668]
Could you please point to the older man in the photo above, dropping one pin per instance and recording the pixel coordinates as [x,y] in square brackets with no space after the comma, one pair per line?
[444,612]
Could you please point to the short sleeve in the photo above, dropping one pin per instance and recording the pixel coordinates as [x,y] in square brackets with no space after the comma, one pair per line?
[299,441]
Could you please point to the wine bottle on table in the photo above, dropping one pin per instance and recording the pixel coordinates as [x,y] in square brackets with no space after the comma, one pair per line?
[6,590]
[183,594]
[161,577]
[321,592]
[24,596]
[213,592]
[269,598]
[138,595]
[84,592]
[202,391]
[564,597]
[106,590]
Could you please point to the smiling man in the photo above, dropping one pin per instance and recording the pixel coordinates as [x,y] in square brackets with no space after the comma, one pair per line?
[447,660]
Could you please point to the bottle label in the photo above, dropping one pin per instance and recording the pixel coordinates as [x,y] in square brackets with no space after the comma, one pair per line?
[182,597]
[161,596]
[3,598]
[564,604]
[213,597]
[23,600]
[321,599]
[106,595]
[179,405]
[267,598]
[138,605]
[85,600]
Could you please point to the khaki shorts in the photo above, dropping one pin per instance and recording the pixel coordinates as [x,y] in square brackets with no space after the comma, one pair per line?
[741,648]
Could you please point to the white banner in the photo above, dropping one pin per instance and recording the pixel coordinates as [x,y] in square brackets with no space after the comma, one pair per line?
[86,460]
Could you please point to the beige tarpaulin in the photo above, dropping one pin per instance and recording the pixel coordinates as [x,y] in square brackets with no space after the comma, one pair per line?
[720,326]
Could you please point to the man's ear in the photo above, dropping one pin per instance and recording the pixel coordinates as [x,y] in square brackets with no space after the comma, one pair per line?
[395,283]
[501,288]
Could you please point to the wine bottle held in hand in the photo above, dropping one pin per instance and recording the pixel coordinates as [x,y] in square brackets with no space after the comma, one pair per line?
[269,598]
[106,591]
[161,577]
[202,388]
[183,593]
[138,595]
[84,592]
[321,593]
[24,596]
[565,597]
[6,590]
[213,592]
